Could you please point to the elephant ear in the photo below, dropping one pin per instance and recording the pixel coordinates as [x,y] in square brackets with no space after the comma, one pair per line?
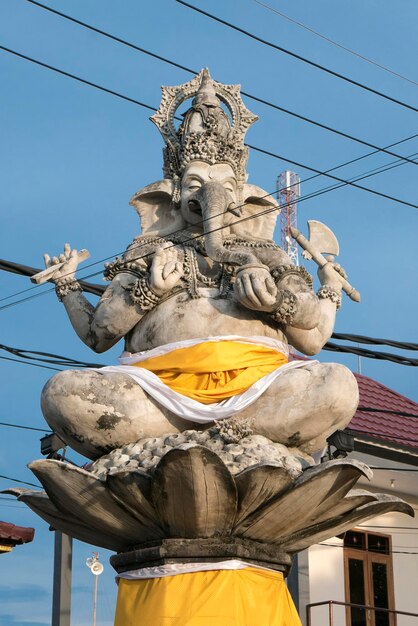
[155,208]
[255,201]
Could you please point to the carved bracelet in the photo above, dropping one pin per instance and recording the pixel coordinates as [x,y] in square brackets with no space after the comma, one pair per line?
[280,271]
[286,307]
[142,294]
[66,285]
[331,293]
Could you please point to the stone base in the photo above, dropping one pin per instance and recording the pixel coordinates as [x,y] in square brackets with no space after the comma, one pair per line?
[168,551]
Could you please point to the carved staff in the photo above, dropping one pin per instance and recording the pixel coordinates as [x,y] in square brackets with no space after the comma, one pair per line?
[322,239]
[48,274]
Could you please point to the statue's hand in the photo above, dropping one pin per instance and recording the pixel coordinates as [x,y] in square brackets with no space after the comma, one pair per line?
[69,262]
[256,289]
[332,274]
[166,269]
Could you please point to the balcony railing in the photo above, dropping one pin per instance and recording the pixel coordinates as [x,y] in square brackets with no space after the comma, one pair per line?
[370,612]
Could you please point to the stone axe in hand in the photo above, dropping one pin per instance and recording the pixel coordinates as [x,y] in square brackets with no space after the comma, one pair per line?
[322,239]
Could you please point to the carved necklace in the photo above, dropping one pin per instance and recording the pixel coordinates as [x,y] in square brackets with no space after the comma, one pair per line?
[193,276]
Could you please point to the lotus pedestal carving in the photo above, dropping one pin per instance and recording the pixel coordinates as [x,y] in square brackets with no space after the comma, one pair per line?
[191,507]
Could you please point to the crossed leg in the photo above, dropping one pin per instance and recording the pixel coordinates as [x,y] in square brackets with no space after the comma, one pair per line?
[96,412]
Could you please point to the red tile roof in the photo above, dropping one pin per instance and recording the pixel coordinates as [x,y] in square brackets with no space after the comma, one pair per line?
[396,429]
[12,535]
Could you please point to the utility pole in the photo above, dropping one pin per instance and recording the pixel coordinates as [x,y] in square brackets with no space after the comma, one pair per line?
[61,595]
[96,569]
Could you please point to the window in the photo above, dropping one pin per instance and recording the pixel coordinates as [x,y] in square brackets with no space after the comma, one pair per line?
[368,578]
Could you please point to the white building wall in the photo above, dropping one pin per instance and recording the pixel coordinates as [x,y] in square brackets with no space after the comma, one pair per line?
[326,581]
[326,570]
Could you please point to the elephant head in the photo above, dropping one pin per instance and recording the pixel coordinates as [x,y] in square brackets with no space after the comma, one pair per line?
[212,202]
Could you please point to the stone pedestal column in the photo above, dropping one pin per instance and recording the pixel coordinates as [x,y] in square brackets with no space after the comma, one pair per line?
[204,582]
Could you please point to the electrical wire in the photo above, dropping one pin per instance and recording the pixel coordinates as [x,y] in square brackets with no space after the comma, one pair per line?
[48,357]
[393,527]
[329,346]
[377,410]
[332,41]
[371,354]
[46,367]
[98,289]
[81,80]
[9,498]
[404,345]
[22,427]
[333,347]
[356,431]
[255,148]
[299,201]
[337,545]
[57,359]
[191,71]
[299,57]
[324,173]
[392,469]
[16,480]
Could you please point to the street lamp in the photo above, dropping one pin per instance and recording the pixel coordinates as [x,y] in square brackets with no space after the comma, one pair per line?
[96,569]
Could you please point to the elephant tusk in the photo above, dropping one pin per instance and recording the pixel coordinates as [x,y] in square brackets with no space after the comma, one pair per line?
[234,209]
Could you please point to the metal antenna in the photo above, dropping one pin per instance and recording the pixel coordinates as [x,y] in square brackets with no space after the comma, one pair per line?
[288,192]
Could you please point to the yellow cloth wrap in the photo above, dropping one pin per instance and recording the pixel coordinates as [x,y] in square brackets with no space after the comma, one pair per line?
[246,597]
[214,370]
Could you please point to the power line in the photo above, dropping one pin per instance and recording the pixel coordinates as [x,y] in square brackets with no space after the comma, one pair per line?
[393,527]
[370,340]
[98,289]
[16,480]
[46,367]
[26,270]
[81,80]
[299,57]
[332,41]
[371,354]
[337,545]
[255,148]
[390,411]
[324,173]
[21,426]
[393,469]
[354,432]
[68,362]
[8,498]
[46,357]
[141,104]
[191,71]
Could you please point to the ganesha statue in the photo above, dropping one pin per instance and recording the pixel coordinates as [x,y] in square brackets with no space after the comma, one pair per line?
[203,438]
[208,305]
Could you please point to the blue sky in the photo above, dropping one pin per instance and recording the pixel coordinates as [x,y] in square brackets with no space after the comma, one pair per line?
[73,156]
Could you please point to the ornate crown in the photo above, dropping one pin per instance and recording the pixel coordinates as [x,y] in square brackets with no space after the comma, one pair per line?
[206,132]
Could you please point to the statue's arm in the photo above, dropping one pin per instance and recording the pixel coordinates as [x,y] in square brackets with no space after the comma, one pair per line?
[310,340]
[285,292]
[135,289]
[279,288]
[101,327]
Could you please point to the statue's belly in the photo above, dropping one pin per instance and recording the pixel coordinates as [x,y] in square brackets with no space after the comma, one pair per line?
[180,318]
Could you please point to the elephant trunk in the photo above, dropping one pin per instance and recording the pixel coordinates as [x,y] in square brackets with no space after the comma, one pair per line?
[214,203]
